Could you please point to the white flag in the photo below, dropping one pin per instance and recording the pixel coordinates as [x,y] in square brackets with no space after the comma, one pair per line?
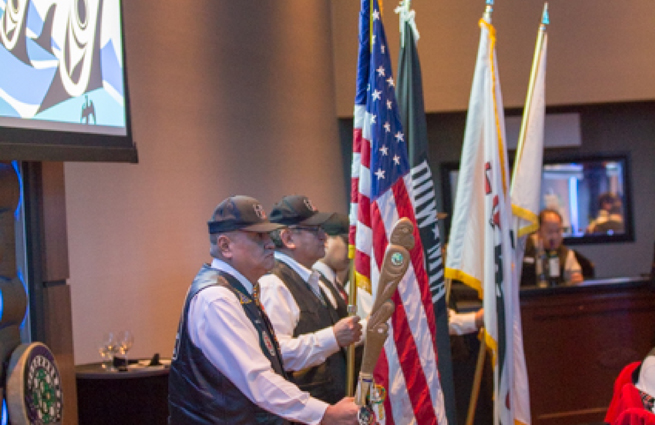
[480,251]
[526,190]
[526,179]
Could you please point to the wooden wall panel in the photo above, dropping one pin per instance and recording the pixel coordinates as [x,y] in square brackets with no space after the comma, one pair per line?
[577,340]
[55,242]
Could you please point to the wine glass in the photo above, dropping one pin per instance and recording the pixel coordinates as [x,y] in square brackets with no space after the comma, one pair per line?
[108,347]
[125,342]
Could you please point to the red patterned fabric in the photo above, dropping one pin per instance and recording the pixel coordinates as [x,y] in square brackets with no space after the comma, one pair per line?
[635,416]
[623,398]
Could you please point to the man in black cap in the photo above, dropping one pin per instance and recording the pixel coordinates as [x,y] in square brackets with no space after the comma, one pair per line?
[227,367]
[309,328]
[334,265]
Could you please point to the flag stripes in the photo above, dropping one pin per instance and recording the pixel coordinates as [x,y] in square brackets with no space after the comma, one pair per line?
[407,367]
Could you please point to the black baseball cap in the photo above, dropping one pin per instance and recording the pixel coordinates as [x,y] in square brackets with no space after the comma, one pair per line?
[297,210]
[337,225]
[240,213]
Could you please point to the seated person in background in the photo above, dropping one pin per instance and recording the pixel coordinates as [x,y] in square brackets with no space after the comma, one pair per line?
[546,261]
[610,219]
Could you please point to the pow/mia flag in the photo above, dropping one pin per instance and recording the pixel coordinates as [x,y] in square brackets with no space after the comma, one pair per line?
[409,92]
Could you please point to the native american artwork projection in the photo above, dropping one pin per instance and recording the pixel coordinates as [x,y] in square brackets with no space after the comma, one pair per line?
[61,66]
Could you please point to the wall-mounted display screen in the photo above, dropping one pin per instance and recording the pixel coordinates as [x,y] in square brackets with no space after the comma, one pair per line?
[591,193]
[63,90]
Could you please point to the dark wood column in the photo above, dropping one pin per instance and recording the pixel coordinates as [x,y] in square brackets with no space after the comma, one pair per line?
[47,251]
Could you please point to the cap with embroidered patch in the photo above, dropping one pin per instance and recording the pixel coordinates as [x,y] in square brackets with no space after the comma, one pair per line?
[297,209]
[240,213]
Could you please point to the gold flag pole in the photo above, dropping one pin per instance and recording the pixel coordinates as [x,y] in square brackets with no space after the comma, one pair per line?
[477,380]
[528,99]
[352,310]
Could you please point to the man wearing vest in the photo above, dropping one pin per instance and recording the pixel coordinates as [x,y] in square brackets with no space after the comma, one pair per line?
[227,367]
[301,309]
[559,265]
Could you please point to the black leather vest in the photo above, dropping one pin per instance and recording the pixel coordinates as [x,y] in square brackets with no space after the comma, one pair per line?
[198,393]
[326,381]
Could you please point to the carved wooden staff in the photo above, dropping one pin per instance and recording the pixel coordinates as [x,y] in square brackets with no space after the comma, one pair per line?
[395,264]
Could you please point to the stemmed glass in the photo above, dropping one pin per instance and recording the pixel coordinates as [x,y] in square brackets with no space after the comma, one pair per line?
[108,347]
[125,342]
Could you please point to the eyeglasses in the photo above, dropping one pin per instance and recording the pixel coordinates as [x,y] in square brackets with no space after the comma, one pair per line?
[311,229]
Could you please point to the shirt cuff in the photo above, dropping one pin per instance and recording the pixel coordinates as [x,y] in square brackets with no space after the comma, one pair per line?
[315,410]
[461,323]
[327,339]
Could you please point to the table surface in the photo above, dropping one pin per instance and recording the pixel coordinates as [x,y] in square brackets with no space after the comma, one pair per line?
[96,371]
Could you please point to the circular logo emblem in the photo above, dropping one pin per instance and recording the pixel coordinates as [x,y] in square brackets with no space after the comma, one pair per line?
[43,388]
[397,259]
[40,397]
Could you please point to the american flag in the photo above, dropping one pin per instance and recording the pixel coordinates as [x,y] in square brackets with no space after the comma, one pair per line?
[381,194]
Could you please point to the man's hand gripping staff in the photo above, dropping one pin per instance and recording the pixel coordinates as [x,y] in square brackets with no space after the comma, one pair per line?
[395,264]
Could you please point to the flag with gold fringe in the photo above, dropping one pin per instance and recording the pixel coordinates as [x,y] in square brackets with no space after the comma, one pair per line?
[480,250]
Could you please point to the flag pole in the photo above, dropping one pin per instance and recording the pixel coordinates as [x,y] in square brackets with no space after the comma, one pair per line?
[528,99]
[477,380]
[352,310]
[488,9]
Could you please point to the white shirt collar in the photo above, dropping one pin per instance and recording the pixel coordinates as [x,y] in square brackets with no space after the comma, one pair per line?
[225,267]
[325,270]
[302,271]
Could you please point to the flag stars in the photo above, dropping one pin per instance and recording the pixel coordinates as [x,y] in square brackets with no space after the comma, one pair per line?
[383,48]
[377,94]
[373,118]
[389,104]
[384,150]
[387,127]
[380,173]
[373,40]
[376,15]
[390,81]
[396,159]
[400,137]
[380,71]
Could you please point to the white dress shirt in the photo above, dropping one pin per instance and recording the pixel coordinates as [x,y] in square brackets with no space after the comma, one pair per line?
[461,323]
[331,277]
[219,327]
[306,350]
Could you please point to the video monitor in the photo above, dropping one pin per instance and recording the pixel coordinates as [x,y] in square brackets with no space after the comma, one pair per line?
[591,193]
[63,87]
